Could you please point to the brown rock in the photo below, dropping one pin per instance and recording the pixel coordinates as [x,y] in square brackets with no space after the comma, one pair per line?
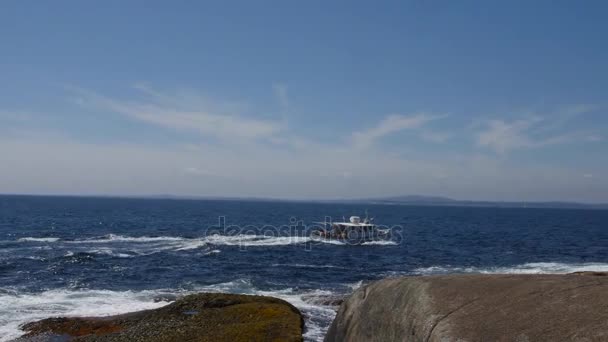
[477,308]
[200,317]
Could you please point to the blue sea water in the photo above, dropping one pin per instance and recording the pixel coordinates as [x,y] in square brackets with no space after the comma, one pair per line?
[101,256]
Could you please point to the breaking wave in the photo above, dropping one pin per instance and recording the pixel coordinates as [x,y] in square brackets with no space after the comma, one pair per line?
[527,268]
[35,239]
[317,316]
[380,243]
[19,308]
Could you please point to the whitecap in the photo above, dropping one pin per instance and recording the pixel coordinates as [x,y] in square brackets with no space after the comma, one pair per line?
[527,268]
[380,243]
[110,252]
[38,239]
[306,266]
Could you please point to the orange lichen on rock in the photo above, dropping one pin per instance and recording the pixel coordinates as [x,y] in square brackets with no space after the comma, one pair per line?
[200,317]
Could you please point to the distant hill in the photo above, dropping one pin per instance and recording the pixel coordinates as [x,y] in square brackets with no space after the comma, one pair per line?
[391,200]
[416,199]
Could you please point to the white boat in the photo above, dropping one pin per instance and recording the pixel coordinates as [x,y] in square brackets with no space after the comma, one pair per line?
[355,230]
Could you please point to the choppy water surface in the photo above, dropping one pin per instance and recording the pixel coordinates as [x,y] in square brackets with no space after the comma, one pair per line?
[102,256]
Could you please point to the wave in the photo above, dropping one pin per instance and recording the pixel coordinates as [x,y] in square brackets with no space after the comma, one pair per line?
[19,308]
[39,239]
[306,266]
[99,251]
[110,252]
[317,316]
[122,246]
[527,268]
[36,258]
[380,243]
[121,238]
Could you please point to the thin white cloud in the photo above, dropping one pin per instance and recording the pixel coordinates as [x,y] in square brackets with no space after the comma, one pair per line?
[273,163]
[504,136]
[181,113]
[389,125]
[534,131]
[594,138]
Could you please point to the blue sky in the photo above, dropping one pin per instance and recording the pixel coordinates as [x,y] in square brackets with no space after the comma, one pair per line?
[481,100]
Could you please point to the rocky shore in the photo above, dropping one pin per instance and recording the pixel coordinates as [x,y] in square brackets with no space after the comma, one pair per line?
[463,308]
[199,317]
[447,308]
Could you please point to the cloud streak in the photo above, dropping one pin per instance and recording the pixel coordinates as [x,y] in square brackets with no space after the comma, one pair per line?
[534,131]
[390,125]
[180,113]
[273,161]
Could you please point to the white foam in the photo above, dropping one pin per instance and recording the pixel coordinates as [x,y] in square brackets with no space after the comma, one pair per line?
[35,239]
[182,244]
[110,252]
[121,238]
[188,245]
[380,243]
[16,309]
[527,268]
[355,286]
[122,246]
[331,242]
[254,240]
[145,245]
[37,258]
[317,317]
[306,266]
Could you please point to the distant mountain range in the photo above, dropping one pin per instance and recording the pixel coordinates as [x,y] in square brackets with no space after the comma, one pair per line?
[413,200]
[391,200]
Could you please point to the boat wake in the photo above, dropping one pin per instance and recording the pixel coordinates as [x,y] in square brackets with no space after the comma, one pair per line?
[122,246]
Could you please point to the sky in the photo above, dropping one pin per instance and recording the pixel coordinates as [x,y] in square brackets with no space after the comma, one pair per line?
[479,100]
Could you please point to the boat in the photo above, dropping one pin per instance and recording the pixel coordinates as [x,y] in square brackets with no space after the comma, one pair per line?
[354,230]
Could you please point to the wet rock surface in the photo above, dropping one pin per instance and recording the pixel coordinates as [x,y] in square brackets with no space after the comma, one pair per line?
[199,317]
[463,308]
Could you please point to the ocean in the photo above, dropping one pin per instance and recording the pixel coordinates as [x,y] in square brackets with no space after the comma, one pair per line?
[81,256]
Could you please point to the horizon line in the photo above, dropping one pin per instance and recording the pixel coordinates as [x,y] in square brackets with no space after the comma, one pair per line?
[428,200]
